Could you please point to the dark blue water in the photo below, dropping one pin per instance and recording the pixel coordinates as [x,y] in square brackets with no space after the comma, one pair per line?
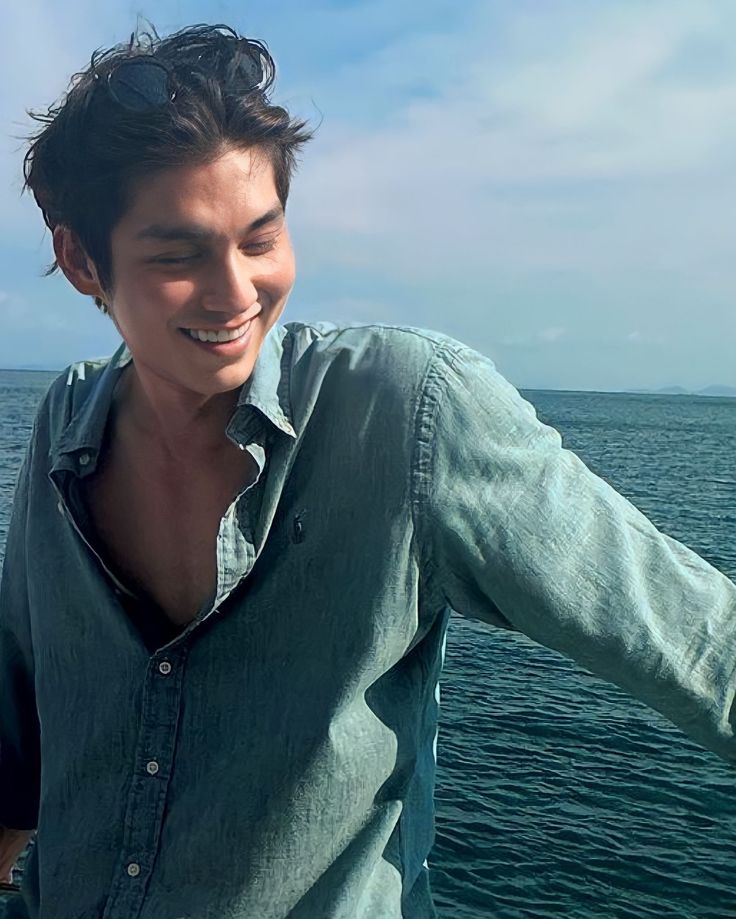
[557,795]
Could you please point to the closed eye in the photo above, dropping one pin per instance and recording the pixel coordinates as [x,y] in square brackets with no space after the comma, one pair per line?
[254,248]
[175,261]
[259,248]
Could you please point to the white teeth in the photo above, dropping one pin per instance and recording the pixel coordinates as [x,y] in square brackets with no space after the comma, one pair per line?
[222,335]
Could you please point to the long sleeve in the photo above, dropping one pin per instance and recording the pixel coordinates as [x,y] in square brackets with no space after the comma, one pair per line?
[516,531]
[19,726]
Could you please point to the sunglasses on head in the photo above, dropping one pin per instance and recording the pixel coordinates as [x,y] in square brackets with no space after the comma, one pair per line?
[142,84]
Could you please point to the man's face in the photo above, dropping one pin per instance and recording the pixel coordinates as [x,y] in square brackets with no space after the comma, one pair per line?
[201,250]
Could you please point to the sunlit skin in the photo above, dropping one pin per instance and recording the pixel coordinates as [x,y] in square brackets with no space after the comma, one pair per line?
[241,265]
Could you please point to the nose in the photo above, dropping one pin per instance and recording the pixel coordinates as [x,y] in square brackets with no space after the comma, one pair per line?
[230,285]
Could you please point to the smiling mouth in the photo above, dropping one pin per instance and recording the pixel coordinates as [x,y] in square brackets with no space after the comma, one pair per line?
[219,335]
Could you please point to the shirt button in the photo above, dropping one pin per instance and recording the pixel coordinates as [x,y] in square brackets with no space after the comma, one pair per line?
[164,667]
[134,869]
[152,767]
[83,459]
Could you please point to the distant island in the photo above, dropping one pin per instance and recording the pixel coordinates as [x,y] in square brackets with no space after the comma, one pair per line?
[719,391]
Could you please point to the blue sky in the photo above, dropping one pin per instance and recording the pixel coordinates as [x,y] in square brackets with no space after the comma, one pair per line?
[551,182]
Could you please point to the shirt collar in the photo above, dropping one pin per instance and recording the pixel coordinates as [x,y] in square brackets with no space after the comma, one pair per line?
[89,415]
[268,387]
[267,390]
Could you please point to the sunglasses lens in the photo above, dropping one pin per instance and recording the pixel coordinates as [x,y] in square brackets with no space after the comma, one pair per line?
[251,68]
[241,62]
[140,86]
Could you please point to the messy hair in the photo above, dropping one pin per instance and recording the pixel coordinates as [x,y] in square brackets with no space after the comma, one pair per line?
[81,166]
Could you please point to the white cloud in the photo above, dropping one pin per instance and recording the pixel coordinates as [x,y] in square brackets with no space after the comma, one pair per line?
[503,163]
[554,333]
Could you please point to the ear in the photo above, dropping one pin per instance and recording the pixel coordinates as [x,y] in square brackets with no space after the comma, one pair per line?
[78,267]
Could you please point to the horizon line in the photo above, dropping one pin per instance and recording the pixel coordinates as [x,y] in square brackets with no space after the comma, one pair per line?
[625,392]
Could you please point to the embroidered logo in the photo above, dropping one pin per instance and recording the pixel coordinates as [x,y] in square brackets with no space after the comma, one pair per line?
[297,531]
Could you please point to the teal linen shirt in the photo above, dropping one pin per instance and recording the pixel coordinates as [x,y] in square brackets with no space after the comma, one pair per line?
[276,757]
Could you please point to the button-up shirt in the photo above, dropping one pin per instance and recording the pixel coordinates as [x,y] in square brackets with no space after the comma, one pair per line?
[276,756]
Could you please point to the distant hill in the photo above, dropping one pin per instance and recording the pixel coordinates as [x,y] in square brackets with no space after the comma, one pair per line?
[673,391]
[718,391]
[715,390]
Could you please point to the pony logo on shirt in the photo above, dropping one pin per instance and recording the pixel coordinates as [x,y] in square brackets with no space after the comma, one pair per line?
[297,532]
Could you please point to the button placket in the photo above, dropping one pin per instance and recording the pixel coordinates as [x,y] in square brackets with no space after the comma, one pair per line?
[160,705]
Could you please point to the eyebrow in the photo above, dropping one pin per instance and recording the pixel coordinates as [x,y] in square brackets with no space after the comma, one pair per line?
[195,232]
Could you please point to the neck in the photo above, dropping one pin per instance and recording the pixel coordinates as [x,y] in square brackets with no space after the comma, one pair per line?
[177,423]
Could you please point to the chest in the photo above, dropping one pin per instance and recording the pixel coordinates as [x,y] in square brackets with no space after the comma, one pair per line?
[158,527]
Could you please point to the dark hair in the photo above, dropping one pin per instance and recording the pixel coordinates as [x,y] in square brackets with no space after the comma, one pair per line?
[82,164]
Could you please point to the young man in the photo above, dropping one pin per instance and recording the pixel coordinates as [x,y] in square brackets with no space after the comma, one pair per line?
[235,545]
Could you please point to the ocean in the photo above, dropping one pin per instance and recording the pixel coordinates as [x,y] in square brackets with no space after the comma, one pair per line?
[558,795]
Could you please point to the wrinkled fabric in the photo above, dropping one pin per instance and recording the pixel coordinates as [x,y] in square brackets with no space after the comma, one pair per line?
[276,757]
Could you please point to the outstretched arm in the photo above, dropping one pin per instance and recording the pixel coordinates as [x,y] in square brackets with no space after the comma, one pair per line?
[516,531]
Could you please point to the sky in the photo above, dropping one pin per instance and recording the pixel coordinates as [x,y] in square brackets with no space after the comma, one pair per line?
[553,183]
